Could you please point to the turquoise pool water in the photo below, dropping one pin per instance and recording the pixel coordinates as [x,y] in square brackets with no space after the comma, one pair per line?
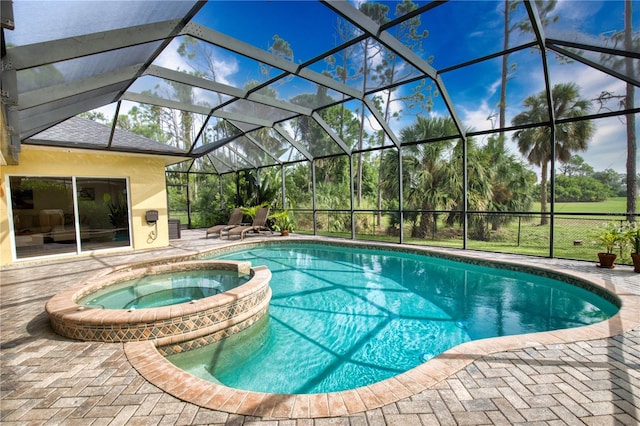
[343,317]
[154,291]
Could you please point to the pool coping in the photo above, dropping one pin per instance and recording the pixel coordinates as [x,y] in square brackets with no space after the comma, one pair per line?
[147,360]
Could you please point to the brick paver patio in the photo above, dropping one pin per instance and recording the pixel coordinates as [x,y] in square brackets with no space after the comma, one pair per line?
[50,380]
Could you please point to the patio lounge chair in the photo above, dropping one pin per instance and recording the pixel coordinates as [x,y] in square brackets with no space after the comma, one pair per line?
[259,224]
[235,219]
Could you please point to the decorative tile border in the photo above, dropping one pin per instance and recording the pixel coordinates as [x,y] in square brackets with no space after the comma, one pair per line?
[171,349]
[216,315]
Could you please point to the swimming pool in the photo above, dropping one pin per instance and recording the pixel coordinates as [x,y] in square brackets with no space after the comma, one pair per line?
[343,317]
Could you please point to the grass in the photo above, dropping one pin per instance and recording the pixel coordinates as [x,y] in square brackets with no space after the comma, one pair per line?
[611,205]
[574,235]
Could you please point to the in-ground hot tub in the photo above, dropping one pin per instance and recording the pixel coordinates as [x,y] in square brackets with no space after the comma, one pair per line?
[213,317]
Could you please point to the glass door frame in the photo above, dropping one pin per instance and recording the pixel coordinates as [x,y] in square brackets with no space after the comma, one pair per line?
[11,212]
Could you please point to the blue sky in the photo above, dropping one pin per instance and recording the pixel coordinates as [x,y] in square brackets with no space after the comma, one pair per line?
[476,31]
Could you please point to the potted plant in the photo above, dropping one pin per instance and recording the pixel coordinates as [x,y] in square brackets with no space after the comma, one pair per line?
[611,235]
[253,210]
[283,222]
[634,238]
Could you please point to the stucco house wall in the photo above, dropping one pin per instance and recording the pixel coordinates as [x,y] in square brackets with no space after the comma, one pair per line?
[147,190]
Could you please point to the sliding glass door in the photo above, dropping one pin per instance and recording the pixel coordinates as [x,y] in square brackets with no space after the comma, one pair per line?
[60,215]
[103,211]
[43,215]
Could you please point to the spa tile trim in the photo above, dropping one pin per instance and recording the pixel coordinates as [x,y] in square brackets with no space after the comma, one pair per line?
[171,324]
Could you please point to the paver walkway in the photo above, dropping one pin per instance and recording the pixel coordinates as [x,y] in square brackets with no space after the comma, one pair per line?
[50,380]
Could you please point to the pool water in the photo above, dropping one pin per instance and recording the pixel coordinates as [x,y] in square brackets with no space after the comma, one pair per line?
[154,291]
[341,318]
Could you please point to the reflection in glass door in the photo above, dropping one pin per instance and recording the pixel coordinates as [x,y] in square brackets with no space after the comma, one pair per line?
[103,213]
[44,217]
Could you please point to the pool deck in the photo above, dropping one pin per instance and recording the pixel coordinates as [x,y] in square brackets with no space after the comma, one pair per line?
[588,376]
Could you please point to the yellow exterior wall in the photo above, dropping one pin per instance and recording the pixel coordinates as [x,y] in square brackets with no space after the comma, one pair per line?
[147,190]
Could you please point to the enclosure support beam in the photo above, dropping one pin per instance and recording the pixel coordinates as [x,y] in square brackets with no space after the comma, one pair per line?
[48,52]
[351,201]
[465,197]
[54,93]
[400,195]
[284,188]
[540,37]
[313,196]
[188,201]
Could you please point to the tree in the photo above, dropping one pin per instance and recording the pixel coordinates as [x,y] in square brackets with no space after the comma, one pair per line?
[279,47]
[143,120]
[625,65]
[427,175]
[171,126]
[580,189]
[201,57]
[613,180]
[95,116]
[182,124]
[379,14]
[576,167]
[253,191]
[535,142]
[432,177]
[376,66]
[632,147]
[511,182]
[408,32]
[479,187]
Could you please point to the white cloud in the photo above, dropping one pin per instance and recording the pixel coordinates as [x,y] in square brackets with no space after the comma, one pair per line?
[590,81]
[607,147]
[225,67]
[573,13]
[172,60]
[494,87]
[478,118]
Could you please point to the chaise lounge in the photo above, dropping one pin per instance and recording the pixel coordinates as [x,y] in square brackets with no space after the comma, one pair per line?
[235,219]
[259,224]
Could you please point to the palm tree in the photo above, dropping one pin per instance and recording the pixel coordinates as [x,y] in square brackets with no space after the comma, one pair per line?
[427,167]
[511,182]
[535,143]
[625,65]
[479,188]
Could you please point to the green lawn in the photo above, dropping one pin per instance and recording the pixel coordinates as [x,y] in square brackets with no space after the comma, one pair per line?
[611,205]
[574,235]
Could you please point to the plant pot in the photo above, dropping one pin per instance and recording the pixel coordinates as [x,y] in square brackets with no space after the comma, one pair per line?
[636,261]
[606,260]
[284,233]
